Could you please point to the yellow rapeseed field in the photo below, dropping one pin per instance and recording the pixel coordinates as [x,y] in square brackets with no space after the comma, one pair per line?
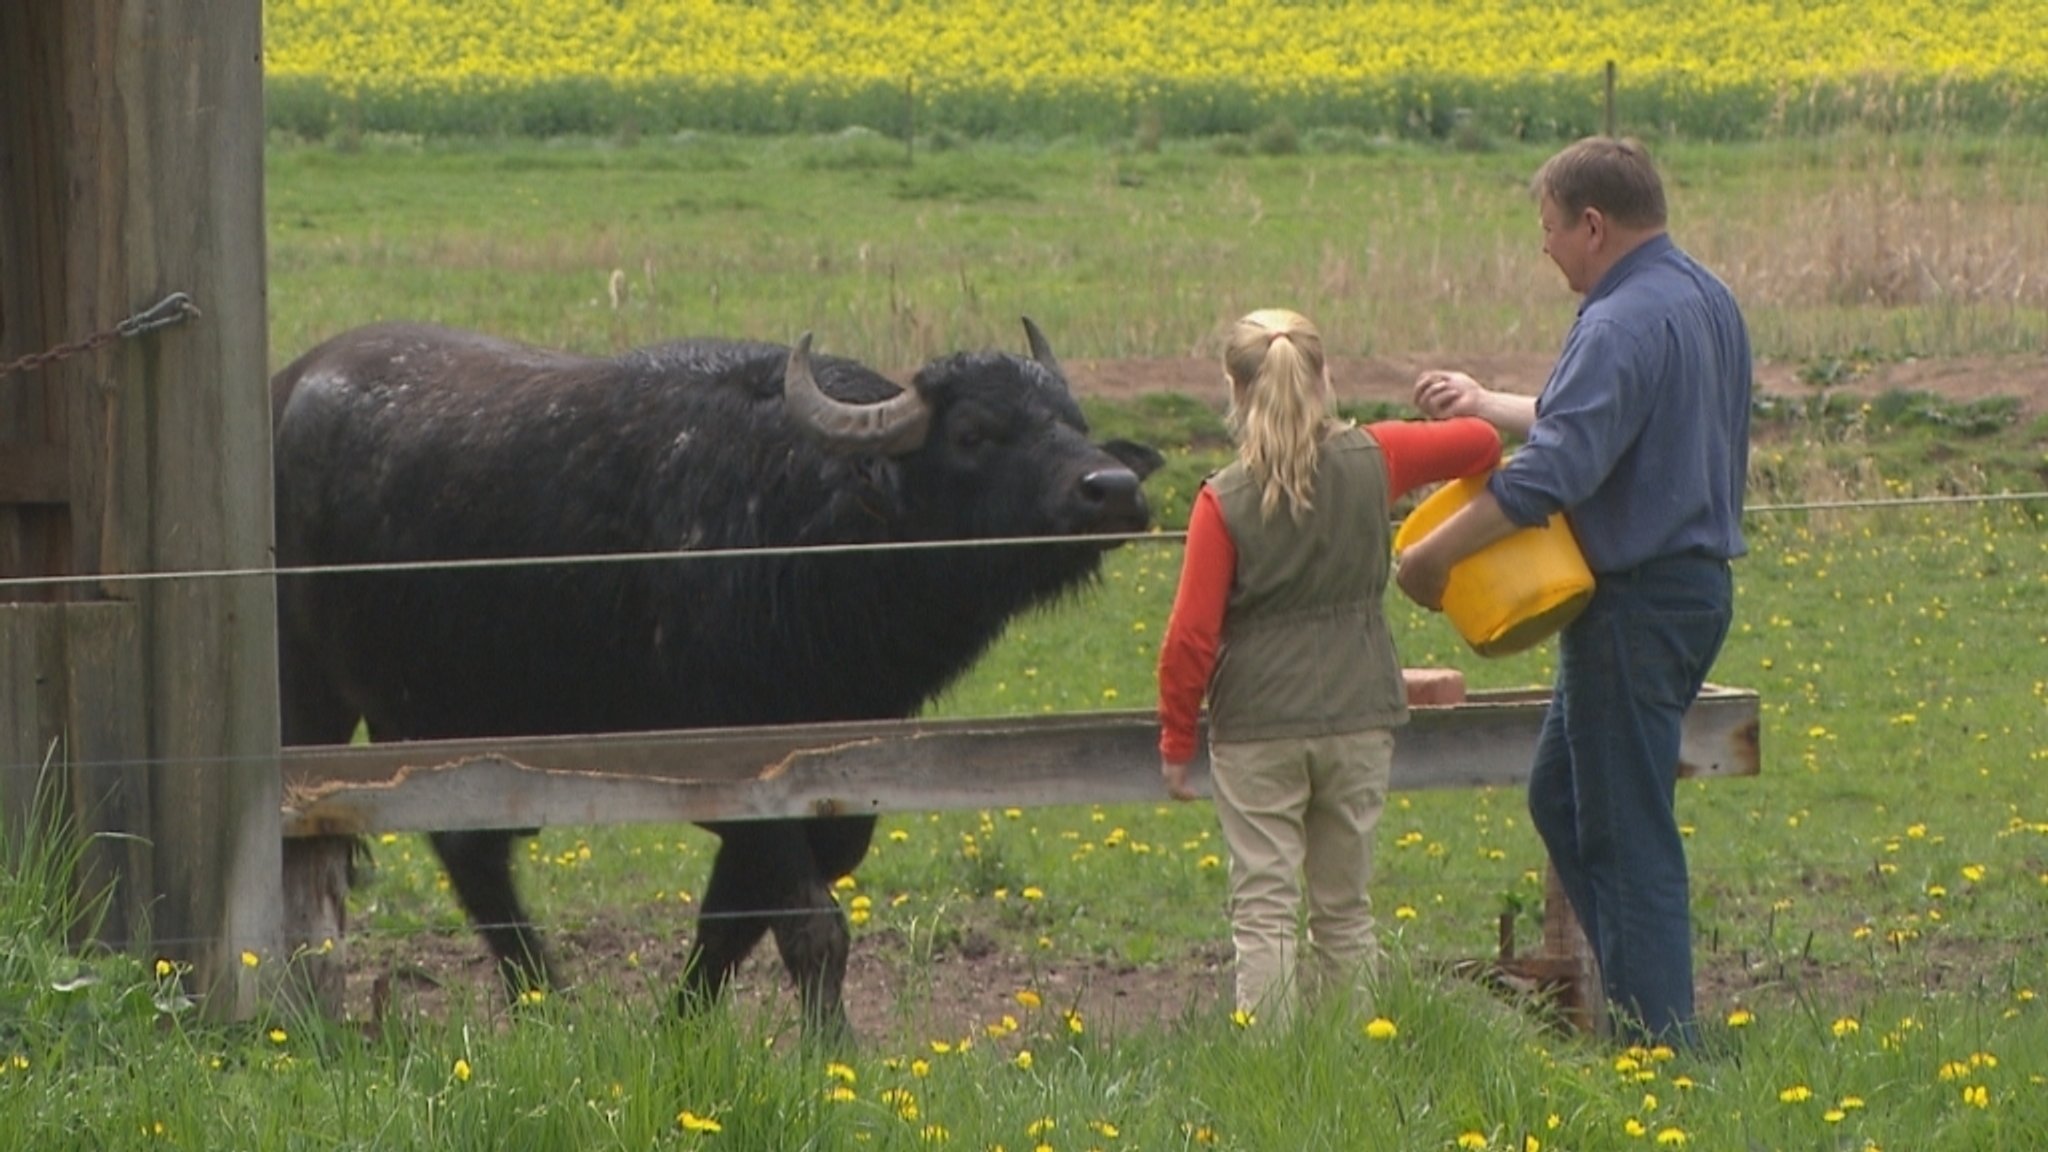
[1026,44]
[1128,53]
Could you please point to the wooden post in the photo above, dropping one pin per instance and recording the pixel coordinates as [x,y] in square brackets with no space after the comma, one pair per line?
[131,136]
[1565,941]
[909,121]
[1608,120]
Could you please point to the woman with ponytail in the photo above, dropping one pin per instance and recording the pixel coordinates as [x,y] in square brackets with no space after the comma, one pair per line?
[1279,622]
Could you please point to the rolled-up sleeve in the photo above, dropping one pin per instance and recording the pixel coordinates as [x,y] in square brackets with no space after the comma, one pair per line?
[1587,416]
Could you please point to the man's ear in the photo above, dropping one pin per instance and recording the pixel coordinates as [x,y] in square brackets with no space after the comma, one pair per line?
[1596,223]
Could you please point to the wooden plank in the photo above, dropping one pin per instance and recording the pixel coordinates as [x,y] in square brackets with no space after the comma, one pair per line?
[109,776]
[884,766]
[30,667]
[34,473]
[35,535]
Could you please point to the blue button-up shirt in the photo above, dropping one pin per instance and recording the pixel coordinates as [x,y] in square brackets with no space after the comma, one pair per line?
[1642,432]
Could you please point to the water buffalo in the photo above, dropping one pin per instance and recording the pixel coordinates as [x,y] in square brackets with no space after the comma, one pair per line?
[408,443]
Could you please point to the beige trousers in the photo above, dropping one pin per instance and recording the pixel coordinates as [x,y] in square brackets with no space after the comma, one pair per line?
[1301,813]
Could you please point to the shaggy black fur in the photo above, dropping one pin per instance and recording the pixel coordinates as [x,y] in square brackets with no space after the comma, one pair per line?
[401,442]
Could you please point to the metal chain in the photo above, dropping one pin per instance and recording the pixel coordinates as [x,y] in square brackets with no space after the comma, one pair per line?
[173,309]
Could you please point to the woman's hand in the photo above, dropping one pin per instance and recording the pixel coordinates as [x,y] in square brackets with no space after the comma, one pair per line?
[1176,778]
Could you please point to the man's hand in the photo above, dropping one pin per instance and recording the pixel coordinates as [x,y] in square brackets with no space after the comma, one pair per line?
[1441,395]
[1176,777]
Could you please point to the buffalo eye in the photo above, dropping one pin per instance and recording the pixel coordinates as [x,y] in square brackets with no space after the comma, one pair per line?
[968,438]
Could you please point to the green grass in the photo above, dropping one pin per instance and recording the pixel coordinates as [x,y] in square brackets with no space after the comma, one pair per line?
[1868,909]
[1906,246]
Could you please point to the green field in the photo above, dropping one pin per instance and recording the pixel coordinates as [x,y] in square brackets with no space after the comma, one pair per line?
[1869,909]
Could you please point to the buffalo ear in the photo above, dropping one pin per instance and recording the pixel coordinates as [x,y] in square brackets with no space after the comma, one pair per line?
[1137,457]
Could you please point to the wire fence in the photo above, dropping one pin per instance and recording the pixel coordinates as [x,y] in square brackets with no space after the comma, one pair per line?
[685,906]
[704,555]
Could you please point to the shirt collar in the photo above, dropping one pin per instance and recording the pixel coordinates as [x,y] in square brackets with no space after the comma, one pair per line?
[1649,250]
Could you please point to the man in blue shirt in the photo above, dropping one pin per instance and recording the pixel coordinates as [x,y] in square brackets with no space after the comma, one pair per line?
[1641,438]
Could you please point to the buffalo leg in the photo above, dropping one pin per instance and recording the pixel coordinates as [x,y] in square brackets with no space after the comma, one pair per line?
[479,867]
[839,844]
[814,941]
[766,878]
[734,914]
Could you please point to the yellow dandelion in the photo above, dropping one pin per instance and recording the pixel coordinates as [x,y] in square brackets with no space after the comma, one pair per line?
[250,959]
[278,1036]
[1022,1059]
[461,1070]
[1028,998]
[691,1122]
[1741,1018]
[1471,1140]
[1672,1137]
[1381,1028]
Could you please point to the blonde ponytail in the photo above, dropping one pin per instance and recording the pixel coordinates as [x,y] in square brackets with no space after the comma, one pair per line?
[1280,405]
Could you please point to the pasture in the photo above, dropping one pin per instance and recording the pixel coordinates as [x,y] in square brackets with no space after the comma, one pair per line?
[1868,909]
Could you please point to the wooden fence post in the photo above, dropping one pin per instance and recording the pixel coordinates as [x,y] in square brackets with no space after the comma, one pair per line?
[131,148]
[1607,121]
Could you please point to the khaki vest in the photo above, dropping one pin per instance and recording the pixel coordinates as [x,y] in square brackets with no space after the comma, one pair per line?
[1305,649]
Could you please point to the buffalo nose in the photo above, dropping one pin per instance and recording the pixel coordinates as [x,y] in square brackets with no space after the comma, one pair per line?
[1113,490]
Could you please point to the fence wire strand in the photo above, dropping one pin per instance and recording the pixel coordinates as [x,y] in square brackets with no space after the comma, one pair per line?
[695,555]
[691,912]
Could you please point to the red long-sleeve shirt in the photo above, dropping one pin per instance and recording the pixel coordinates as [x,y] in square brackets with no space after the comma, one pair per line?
[1416,453]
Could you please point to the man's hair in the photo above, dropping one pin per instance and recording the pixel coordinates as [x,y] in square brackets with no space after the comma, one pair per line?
[1612,174]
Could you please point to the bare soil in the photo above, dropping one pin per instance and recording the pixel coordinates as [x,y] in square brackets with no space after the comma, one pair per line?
[957,991]
[1389,379]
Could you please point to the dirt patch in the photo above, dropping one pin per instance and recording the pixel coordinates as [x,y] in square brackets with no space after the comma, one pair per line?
[895,994]
[1389,379]
[901,999]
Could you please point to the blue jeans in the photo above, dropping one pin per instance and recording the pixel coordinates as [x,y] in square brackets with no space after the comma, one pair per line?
[1602,790]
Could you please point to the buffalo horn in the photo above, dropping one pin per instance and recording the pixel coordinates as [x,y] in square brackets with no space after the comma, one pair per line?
[1041,349]
[890,427]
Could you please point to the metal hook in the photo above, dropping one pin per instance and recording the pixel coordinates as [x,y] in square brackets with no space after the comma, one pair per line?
[173,309]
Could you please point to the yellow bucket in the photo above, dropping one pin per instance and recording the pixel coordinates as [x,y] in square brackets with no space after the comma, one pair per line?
[1515,592]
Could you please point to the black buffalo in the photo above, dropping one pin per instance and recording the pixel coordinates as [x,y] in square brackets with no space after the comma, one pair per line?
[411,443]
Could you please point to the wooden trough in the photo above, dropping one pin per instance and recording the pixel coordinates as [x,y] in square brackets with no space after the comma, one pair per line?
[333,794]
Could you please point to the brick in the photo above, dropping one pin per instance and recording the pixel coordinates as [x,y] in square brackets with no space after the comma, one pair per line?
[1433,687]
